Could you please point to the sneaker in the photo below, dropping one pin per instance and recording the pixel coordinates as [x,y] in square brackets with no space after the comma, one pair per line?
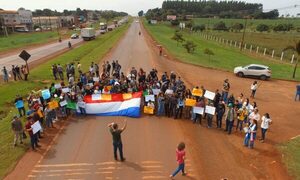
[171,176]
[123,159]
[183,174]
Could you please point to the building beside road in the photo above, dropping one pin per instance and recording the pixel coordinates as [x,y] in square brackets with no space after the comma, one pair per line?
[20,20]
[53,22]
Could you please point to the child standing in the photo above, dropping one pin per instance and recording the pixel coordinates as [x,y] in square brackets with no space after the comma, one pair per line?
[180,157]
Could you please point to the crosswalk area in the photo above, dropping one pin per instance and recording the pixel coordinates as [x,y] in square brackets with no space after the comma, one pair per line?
[110,170]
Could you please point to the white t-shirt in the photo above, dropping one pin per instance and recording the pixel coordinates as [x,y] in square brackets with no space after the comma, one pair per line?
[265,122]
[253,86]
[254,116]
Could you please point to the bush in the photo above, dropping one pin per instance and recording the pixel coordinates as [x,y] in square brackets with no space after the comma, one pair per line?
[237,27]
[220,26]
[262,27]
[190,46]
[283,27]
[199,28]
[178,36]
[175,22]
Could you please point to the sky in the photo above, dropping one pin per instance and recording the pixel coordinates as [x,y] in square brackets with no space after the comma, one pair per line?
[130,6]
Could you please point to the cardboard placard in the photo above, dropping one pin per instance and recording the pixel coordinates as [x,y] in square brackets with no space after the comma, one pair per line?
[156,91]
[57,86]
[198,110]
[106,97]
[65,90]
[53,104]
[46,94]
[190,102]
[209,95]
[148,110]
[36,127]
[197,92]
[169,91]
[210,110]
[149,97]
[96,79]
[63,103]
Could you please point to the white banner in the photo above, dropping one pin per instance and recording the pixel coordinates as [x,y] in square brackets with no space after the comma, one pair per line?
[210,110]
[198,110]
[36,127]
[209,95]
[149,97]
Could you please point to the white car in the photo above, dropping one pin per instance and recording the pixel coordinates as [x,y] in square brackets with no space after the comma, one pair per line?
[253,70]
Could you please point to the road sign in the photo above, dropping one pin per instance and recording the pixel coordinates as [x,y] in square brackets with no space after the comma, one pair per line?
[25,55]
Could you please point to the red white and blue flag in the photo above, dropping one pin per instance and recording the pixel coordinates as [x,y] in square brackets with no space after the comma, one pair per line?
[114,104]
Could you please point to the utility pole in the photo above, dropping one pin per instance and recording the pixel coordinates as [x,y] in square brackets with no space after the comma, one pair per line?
[244,32]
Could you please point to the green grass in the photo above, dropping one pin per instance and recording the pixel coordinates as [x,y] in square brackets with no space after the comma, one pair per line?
[270,40]
[18,40]
[88,52]
[252,23]
[225,58]
[291,156]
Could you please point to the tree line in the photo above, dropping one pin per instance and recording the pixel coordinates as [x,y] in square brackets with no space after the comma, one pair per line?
[222,9]
[106,14]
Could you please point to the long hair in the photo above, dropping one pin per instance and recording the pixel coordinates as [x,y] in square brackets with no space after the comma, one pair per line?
[181,146]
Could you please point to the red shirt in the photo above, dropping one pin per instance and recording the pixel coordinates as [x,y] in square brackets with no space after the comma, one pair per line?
[28,126]
[180,156]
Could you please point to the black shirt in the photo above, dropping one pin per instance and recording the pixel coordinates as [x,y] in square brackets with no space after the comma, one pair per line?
[116,135]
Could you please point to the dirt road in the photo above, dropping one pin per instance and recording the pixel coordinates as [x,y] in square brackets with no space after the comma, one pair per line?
[84,148]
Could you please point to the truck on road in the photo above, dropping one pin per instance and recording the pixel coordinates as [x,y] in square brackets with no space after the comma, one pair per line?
[103,27]
[88,34]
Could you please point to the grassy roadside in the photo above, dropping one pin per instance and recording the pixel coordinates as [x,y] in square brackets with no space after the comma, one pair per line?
[88,52]
[291,156]
[225,58]
[18,40]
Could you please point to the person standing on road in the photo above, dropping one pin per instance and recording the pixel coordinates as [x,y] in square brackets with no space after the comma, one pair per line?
[13,70]
[253,88]
[17,128]
[220,112]
[251,135]
[266,121]
[117,141]
[225,91]
[33,137]
[230,115]
[180,157]
[5,74]
[297,92]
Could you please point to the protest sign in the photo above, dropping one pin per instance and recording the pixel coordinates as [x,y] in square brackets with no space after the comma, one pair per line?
[169,91]
[148,110]
[19,104]
[63,103]
[197,92]
[198,110]
[90,84]
[53,104]
[46,94]
[36,127]
[96,97]
[149,97]
[65,90]
[210,110]
[156,91]
[209,95]
[57,86]
[96,79]
[145,93]
[72,105]
[190,102]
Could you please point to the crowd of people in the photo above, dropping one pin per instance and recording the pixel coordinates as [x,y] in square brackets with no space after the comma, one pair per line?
[18,73]
[62,99]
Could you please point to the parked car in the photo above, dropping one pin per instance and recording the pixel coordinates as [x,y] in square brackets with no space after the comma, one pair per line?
[74,36]
[253,70]
[38,29]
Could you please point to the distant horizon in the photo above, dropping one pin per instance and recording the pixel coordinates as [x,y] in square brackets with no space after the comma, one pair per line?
[132,7]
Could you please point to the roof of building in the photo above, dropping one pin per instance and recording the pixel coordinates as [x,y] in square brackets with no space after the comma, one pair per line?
[8,12]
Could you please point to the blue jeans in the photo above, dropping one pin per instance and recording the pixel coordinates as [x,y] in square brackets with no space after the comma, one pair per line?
[161,108]
[34,141]
[224,96]
[179,168]
[82,110]
[297,96]
[229,125]
[247,139]
[239,124]
[263,133]
[118,145]
[219,120]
